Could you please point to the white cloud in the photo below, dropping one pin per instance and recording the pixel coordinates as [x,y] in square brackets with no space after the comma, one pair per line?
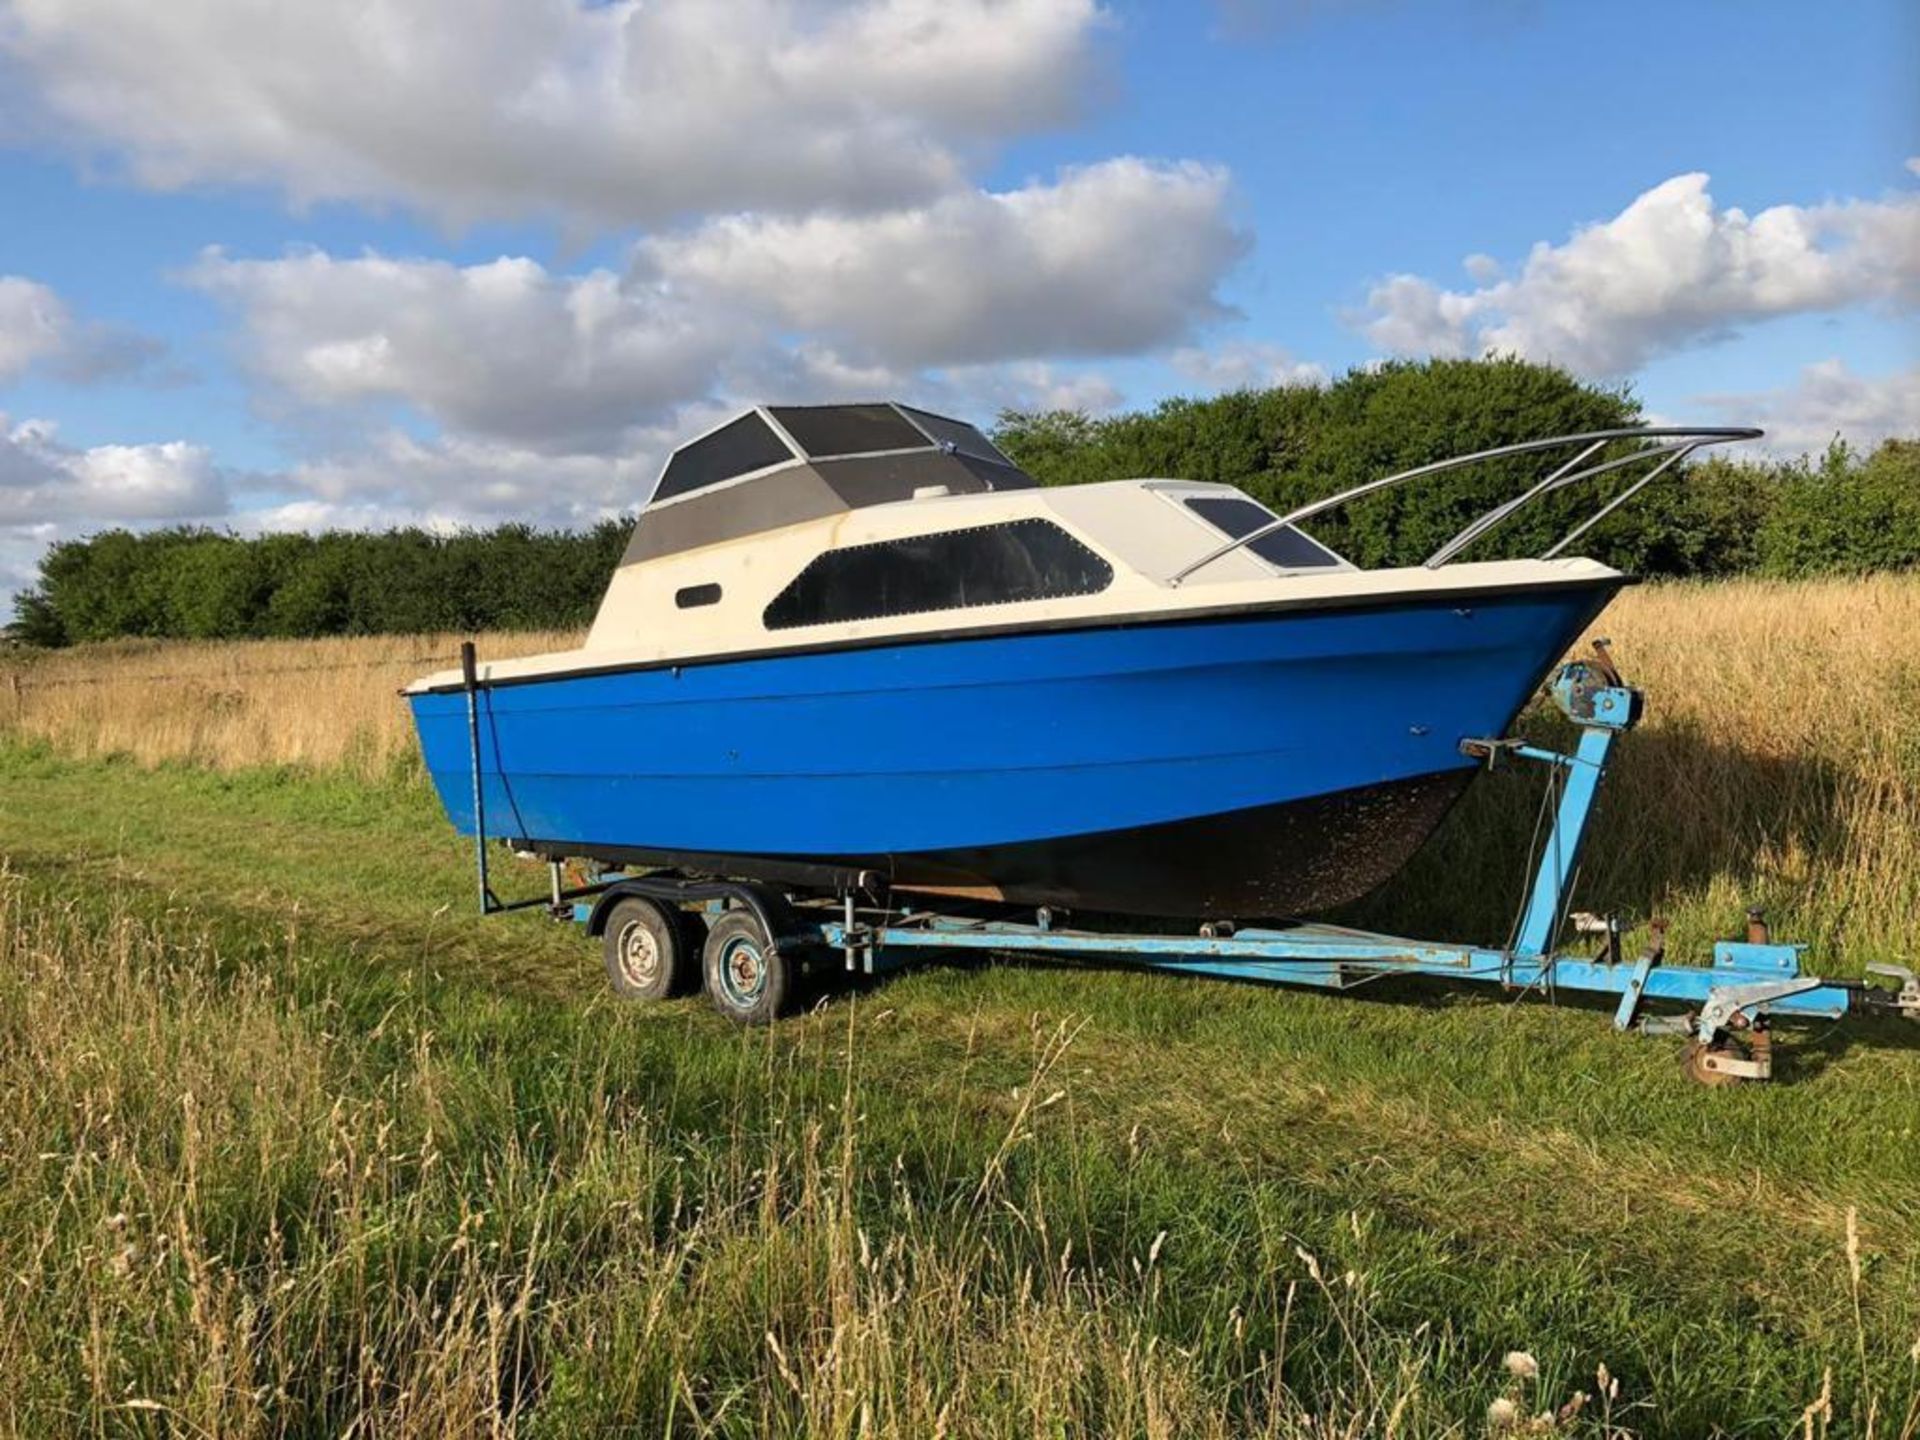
[615,113]
[1411,316]
[1245,365]
[20,551]
[503,351]
[1483,269]
[981,393]
[810,373]
[455,480]
[49,490]
[166,481]
[1117,257]
[1828,400]
[37,327]
[1668,271]
[970,67]
[33,324]
[44,482]
[94,352]
[978,393]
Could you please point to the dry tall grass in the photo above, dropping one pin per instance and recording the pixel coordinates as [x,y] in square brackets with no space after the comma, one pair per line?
[320,704]
[1779,765]
[1781,758]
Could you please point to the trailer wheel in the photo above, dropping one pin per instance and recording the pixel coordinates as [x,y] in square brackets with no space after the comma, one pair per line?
[747,978]
[649,949]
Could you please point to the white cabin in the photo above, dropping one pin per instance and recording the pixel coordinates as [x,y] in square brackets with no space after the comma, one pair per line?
[807,527]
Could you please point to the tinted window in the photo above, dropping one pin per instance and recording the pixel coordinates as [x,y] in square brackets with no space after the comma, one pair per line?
[734,449]
[694,596]
[988,565]
[996,476]
[823,430]
[1234,517]
[964,438]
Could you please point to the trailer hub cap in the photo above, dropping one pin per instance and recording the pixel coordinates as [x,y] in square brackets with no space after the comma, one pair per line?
[639,955]
[743,971]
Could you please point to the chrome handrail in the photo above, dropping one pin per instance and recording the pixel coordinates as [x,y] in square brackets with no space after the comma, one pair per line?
[1687,438]
[1557,481]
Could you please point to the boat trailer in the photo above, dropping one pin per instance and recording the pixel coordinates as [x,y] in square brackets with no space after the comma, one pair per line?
[1749,983]
[761,938]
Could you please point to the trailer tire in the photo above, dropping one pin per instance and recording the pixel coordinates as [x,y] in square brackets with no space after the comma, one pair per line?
[747,978]
[650,950]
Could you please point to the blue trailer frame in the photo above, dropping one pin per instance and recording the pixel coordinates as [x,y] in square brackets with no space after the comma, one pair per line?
[1748,984]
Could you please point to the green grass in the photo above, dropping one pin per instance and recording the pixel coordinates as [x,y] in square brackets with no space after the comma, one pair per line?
[292,1141]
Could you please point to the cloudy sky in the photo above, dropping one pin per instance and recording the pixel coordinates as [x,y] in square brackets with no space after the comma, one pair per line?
[457,261]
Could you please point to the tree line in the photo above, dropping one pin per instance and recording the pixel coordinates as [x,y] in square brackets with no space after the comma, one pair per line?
[188,583]
[1844,512]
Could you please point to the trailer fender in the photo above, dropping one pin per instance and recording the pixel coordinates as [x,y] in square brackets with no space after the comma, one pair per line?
[769,907]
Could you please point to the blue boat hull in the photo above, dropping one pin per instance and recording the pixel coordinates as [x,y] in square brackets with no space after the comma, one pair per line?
[1258,764]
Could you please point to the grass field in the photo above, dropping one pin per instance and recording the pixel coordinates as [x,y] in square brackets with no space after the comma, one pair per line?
[294,1144]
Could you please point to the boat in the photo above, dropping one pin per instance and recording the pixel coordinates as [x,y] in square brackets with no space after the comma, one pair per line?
[855,645]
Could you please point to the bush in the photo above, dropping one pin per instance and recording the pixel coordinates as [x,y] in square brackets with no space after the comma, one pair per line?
[1846,515]
[204,584]
[35,622]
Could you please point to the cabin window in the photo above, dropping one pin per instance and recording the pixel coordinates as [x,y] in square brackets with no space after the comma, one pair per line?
[962,437]
[955,570]
[736,448]
[692,597]
[824,431]
[1289,548]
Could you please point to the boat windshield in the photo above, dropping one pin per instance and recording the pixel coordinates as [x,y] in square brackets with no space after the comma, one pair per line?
[826,432]
[832,432]
[737,448]
[961,436]
[1289,548]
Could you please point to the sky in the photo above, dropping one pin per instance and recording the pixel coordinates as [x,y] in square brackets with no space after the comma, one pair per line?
[456,262]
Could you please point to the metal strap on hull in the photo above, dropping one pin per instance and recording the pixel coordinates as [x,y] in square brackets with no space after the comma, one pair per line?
[470,681]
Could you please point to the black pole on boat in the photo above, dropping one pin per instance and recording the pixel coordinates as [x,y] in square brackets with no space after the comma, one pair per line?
[470,676]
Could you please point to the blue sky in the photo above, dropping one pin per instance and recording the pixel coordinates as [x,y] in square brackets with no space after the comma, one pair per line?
[459,261]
